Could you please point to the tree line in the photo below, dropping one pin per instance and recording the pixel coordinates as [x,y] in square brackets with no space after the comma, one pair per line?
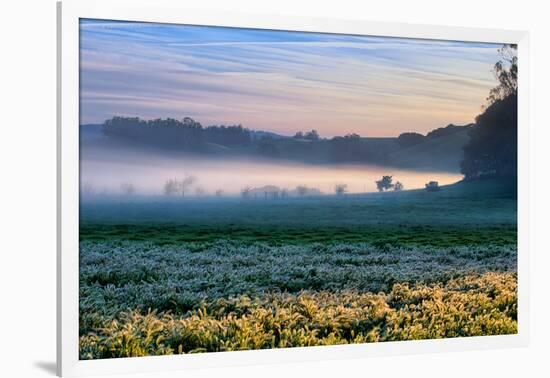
[169,133]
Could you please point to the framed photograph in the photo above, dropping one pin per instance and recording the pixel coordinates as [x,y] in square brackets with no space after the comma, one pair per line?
[249,188]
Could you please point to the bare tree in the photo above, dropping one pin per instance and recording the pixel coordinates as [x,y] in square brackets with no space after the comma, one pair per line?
[128,188]
[185,183]
[340,189]
[171,187]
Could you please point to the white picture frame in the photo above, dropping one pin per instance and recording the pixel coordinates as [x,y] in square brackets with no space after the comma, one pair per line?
[162,11]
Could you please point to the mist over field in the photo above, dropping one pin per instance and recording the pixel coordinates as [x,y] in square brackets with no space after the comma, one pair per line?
[104,171]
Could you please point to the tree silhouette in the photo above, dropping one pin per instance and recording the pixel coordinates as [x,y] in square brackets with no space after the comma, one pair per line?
[384,184]
[506,73]
[173,134]
[432,186]
[185,183]
[311,135]
[340,189]
[492,149]
[170,187]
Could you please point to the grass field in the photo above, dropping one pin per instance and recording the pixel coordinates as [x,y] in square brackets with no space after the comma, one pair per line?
[163,276]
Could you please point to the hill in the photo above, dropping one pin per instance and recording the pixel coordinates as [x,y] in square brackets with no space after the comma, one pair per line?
[441,149]
[442,153]
[486,188]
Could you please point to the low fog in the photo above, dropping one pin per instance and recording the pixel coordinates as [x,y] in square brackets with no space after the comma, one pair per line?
[127,171]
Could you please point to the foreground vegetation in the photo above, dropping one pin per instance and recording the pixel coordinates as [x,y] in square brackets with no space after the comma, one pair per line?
[118,276]
[468,306]
[183,276]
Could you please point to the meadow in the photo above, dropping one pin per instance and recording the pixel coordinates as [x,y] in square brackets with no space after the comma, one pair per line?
[172,275]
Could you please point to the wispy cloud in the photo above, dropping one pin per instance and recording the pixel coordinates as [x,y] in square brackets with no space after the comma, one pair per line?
[281,81]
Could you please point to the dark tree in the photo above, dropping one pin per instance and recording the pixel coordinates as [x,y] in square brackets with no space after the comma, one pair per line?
[169,133]
[506,72]
[340,189]
[311,135]
[432,186]
[384,184]
[227,135]
[492,149]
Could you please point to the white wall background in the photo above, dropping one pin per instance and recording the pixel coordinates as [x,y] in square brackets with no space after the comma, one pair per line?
[27,189]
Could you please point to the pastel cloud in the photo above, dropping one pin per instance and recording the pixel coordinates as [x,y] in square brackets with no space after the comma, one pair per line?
[281,81]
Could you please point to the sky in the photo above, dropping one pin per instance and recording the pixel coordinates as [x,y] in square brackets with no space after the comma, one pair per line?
[280,81]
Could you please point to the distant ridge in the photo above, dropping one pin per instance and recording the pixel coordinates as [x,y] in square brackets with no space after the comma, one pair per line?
[440,149]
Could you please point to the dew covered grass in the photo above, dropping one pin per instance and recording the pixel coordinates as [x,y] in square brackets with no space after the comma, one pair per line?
[117,276]
[165,276]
